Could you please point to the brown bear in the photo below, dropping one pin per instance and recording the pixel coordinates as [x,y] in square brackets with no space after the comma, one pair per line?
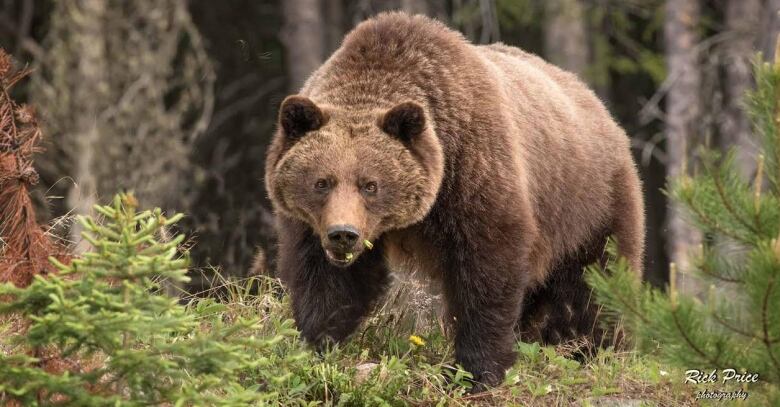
[489,169]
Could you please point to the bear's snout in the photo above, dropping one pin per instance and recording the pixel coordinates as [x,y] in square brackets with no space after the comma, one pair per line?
[341,244]
[343,236]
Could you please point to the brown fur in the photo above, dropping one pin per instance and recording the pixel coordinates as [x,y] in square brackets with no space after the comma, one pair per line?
[503,184]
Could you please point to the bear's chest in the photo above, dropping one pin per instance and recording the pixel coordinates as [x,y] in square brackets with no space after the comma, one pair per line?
[407,252]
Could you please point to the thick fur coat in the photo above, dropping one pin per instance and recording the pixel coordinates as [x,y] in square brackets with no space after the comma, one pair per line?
[485,166]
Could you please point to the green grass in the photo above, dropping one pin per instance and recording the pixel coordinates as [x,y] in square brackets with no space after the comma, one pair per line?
[401,356]
[381,365]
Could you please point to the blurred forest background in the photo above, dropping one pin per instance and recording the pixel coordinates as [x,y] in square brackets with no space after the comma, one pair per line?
[177,99]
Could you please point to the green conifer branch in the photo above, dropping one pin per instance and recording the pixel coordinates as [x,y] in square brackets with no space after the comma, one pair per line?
[743,332]
[122,344]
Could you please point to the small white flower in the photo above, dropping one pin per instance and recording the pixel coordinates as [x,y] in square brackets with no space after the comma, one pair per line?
[664,373]
[548,389]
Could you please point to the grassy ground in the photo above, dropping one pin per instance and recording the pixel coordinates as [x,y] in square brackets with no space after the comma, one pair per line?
[400,356]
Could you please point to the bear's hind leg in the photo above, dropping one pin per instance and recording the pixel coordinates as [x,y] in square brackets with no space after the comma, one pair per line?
[562,309]
[628,217]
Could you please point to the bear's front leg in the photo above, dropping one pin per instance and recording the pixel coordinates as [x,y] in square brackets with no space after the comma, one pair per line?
[328,302]
[484,287]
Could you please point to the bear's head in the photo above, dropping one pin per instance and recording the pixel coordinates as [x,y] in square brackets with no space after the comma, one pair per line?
[353,175]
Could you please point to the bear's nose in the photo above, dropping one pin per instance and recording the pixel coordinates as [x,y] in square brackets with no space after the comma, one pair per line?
[344,236]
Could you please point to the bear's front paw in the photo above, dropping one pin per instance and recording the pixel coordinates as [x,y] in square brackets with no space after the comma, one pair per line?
[485,380]
[486,371]
[480,380]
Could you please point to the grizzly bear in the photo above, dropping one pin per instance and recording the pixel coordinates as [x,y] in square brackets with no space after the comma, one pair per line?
[486,167]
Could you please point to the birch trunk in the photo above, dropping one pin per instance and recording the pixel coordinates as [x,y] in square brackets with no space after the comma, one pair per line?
[771,28]
[91,71]
[565,40]
[741,18]
[303,39]
[682,115]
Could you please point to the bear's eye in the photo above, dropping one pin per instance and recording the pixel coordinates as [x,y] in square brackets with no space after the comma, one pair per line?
[370,187]
[321,184]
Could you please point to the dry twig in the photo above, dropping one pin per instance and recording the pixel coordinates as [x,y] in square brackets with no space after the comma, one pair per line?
[26,247]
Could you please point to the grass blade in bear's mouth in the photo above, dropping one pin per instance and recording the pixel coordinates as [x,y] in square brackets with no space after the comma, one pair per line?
[340,258]
[368,244]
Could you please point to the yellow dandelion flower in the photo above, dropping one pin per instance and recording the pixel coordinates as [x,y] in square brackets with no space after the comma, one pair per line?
[416,340]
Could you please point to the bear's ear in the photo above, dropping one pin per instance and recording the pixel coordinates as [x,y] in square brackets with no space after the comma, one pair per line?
[298,115]
[405,121]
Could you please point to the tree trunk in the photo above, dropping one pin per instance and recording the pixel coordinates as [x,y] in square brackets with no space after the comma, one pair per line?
[361,10]
[490,29]
[770,27]
[565,40]
[415,6]
[117,120]
[741,18]
[463,20]
[302,36]
[431,8]
[91,72]
[682,114]
[334,14]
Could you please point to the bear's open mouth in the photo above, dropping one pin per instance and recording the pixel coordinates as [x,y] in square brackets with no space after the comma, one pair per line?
[340,259]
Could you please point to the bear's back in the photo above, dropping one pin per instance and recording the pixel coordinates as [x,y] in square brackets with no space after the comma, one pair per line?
[571,147]
[385,60]
[544,89]
[396,57]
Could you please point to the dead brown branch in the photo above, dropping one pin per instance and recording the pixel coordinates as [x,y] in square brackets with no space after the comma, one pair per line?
[25,245]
